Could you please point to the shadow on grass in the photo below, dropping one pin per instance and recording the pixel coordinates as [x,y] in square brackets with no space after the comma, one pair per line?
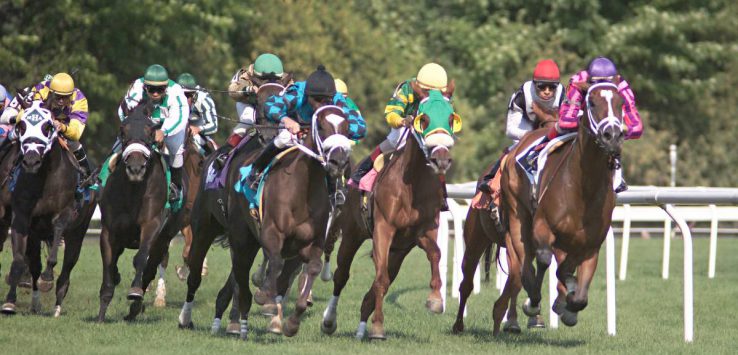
[524,338]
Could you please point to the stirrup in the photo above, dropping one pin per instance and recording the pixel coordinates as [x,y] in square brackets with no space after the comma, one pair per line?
[221,159]
[494,214]
[253,180]
[622,187]
[175,192]
[338,198]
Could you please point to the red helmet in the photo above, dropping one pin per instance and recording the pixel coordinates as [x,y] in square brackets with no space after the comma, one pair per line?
[546,70]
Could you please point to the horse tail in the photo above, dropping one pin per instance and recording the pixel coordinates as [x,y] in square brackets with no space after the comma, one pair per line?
[223,241]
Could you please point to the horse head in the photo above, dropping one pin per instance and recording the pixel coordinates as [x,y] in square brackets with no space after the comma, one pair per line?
[36,135]
[137,135]
[604,116]
[330,133]
[436,122]
[268,87]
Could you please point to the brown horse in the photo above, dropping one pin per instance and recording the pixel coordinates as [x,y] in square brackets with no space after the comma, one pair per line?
[480,236]
[210,212]
[407,200]
[571,212]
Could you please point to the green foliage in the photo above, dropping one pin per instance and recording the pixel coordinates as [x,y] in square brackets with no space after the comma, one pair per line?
[680,56]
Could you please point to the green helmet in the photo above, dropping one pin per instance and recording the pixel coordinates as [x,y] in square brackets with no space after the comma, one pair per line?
[268,63]
[187,81]
[156,75]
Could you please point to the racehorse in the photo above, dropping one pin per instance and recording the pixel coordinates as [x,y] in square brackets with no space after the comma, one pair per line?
[480,236]
[133,211]
[42,202]
[571,212]
[210,210]
[407,199]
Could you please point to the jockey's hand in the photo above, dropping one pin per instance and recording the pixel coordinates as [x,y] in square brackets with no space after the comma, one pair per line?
[195,130]
[159,136]
[290,125]
[59,126]
[408,121]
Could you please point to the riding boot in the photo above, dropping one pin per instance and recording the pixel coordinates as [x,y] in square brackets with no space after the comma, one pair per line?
[364,167]
[176,184]
[231,142]
[266,156]
[83,162]
[484,185]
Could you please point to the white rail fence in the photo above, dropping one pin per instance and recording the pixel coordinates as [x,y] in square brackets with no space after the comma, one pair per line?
[639,204]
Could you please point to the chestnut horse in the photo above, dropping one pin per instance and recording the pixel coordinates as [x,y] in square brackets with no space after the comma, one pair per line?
[571,212]
[406,203]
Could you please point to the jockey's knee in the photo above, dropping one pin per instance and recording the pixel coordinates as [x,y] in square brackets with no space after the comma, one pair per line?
[283,139]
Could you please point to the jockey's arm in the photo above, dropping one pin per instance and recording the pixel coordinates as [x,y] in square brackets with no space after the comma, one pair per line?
[357,125]
[517,122]
[77,120]
[132,98]
[633,123]
[179,112]
[208,115]
[277,107]
[394,112]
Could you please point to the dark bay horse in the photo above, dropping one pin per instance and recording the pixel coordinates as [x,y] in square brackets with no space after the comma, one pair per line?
[407,200]
[211,208]
[133,211]
[571,212]
[42,202]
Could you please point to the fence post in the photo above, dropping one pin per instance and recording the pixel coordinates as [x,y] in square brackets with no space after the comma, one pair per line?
[626,242]
[713,242]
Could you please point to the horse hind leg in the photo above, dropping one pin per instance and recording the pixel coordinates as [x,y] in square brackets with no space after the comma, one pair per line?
[225,294]
[476,245]
[204,234]
[72,251]
[350,244]
[242,257]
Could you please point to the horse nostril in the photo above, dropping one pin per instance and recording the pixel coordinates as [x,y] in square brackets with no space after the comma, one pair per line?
[607,135]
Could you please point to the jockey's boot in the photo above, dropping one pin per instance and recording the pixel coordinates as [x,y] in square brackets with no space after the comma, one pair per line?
[494,214]
[363,168]
[264,158]
[83,162]
[622,187]
[484,184]
[231,142]
[176,185]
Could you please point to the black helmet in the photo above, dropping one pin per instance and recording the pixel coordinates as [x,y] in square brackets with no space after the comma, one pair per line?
[320,83]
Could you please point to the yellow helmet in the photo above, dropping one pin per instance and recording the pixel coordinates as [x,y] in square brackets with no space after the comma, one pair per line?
[341,87]
[62,84]
[432,76]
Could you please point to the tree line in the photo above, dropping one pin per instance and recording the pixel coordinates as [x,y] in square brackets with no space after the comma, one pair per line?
[680,56]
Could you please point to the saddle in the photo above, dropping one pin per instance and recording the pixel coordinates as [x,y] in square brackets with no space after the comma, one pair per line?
[216,174]
[533,158]
[256,197]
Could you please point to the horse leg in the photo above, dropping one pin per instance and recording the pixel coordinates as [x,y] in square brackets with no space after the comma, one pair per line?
[565,274]
[507,302]
[159,249]
[205,233]
[286,278]
[577,301]
[234,315]
[183,270]
[427,242]
[383,235]
[107,287]
[161,285]
[33,254]
[272,239]
[477,244]
[221,302]
[60,223]
[17,269]
[72,249]
[346,251]
[243,253]
[305,286]
[330,243]
[543,239]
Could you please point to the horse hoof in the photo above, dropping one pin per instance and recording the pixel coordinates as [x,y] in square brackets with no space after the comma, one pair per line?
[275,326]
[290,327]
[269,309]
[310,299]
[8,308]
[189,325]
[204,271]
[260,297]
[182,272]
[569,318]
[45,286]
[233,328]
[558,307]
[536,322]
[458,327]
[511,327]
[529,310]
[377,332]
[328,327]
[57,311]
[160,302]
[435,306]
[135,294]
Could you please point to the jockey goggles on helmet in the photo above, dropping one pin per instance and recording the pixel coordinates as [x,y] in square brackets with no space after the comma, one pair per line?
[541,86]
[155,88]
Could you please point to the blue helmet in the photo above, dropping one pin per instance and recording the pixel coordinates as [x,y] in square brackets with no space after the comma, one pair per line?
[601,68]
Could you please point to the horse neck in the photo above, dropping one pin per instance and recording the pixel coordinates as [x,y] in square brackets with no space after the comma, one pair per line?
[414,164]
[591,160]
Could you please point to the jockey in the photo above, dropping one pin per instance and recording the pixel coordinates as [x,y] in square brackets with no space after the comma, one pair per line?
[170,110]
[297,105]
[243,89]
[600,69]
[68,105]
[4,101]
[400,111]
[342,89]
[536,101]
[203,116]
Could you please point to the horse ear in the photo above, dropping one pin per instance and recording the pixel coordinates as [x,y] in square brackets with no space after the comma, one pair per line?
[450,89]
[286,79]
[617,79]
[258,81]
[419,92]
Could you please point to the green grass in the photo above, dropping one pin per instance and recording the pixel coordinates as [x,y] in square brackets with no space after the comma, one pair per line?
[649,313]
